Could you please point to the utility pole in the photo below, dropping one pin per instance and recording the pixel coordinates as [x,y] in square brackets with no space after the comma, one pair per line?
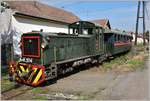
[143,22]
[137,21]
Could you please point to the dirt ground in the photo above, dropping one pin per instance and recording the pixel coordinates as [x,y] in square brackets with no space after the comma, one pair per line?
[95,84]
[110,86]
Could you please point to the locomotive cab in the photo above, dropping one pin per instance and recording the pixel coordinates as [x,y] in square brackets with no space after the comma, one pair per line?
[82,28]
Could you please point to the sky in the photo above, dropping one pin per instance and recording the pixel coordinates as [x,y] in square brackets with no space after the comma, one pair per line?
[121,14]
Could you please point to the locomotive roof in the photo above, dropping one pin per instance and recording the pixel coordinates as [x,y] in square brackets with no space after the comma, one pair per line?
[45,34]
[117,32]
[96,24]
[87,24]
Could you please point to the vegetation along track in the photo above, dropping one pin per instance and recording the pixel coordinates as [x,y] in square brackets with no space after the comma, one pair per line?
[6,95]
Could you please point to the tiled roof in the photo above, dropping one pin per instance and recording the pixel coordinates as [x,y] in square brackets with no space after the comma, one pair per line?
[103,22]
[100,21]
[37,9]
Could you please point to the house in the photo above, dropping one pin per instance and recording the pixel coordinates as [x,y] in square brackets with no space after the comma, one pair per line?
[33,15]
[18,17]
[139,38]
[103,22]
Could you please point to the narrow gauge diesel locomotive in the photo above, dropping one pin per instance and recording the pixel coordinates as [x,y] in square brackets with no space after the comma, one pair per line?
[47,55]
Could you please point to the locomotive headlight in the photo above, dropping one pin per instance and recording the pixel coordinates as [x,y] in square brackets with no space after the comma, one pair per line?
[43,45]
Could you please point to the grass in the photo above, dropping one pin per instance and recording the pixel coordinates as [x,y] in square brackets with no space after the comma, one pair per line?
[38,97]
[6,84]
[37,91]
[84,98]
[108,65]
[136,62]
[40,90]
[128,61]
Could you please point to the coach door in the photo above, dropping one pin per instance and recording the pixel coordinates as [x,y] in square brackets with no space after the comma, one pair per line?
[108,42]
[99,40]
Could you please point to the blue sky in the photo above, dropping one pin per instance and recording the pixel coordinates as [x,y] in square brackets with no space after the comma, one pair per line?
[121,14]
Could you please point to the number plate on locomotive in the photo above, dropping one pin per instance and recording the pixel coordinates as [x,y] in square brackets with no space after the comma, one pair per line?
[27,60]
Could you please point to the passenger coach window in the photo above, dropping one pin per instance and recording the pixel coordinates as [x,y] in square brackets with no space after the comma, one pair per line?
[100,30]
[125,38]
[115,37]
[119,37]
[97,30]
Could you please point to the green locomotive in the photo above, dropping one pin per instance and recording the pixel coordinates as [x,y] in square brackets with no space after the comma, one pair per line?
[47,55]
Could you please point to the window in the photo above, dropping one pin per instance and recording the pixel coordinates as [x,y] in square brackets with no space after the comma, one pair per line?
[116,37]
[31,46]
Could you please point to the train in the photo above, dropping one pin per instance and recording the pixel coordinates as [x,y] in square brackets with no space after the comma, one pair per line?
[46,55]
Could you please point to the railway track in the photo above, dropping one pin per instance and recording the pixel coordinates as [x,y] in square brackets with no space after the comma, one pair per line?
[9,94]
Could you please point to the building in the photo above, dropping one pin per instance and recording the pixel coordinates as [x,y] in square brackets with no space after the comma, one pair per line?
[18,17]
[139,39]
[103,22]
[33,15]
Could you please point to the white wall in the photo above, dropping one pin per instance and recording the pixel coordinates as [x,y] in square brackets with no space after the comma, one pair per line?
[139,40]
[22,25]
[27,25]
